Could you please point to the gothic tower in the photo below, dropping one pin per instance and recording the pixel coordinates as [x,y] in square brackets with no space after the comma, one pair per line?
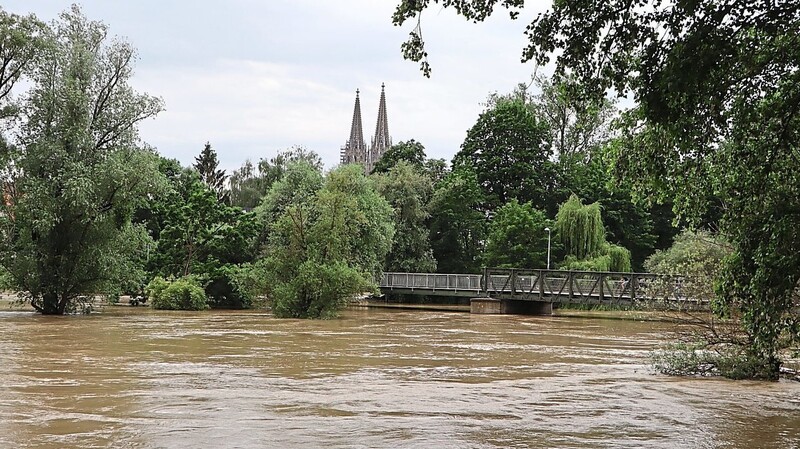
[355,150]
[381,141]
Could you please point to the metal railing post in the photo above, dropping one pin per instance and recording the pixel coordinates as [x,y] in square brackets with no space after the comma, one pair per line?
[601,281]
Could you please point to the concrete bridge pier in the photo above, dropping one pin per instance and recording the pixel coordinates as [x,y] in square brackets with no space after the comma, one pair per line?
[489,306]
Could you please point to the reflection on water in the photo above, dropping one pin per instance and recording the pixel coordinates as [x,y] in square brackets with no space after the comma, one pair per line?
[129,378]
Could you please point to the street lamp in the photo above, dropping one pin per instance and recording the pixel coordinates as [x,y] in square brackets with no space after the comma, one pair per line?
[548,247]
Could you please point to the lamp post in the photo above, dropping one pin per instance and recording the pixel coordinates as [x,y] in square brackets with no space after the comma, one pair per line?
[548,247]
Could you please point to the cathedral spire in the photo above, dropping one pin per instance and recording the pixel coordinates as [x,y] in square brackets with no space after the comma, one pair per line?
[355,150]
[381,141]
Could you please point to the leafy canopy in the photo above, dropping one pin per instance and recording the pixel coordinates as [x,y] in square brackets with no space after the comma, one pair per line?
[77,169]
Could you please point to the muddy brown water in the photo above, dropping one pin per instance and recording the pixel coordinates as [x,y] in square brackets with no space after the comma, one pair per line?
[128,378]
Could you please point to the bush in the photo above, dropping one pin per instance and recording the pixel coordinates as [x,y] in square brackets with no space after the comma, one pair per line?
[185,293]
[156,287]
[224,290]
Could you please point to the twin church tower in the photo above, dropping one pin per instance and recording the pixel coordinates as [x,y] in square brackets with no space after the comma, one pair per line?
[355,150]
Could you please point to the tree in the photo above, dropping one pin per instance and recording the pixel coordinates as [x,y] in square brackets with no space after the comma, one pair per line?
[580,228]
[411,152]
[408,191]
[325,248]
[508,150]
[457,226]
[517,237]
[207,165]
[78,170]
[249,184]
[698,256]
[577,125]
[716,128]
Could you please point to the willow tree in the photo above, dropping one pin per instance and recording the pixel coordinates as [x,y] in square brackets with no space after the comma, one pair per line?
[580,228]
[79,170]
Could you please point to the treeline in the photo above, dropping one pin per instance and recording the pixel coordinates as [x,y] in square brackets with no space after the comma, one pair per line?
[88,208]
[310,240]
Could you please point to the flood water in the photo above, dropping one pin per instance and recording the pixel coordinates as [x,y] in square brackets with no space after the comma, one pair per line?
[133,378]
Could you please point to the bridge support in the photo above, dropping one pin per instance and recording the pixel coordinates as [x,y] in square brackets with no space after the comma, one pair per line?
[489,306]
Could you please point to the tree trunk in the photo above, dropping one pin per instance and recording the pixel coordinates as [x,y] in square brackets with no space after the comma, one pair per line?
[51,305]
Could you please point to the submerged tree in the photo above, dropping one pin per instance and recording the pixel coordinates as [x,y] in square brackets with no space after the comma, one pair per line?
[325,245]
[79,170]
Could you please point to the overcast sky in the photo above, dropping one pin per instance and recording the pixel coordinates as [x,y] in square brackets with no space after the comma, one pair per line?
[254,77]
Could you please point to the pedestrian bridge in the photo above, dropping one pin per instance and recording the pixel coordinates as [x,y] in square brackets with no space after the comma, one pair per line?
[545,286]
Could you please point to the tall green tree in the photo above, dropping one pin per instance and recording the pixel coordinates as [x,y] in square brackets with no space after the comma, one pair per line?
[325,248]
[457,225]
[207,166]
[517,237]
[408,191]
[80,170]
[507,148]
[717,88]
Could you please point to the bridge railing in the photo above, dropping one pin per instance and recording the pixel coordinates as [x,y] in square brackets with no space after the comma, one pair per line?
[432,281]
[554,285]
[582,286]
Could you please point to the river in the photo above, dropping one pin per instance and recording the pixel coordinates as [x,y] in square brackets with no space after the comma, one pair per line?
[133,378]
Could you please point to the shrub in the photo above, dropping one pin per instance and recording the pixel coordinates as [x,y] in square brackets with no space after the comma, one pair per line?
[224,289]
[185,293]
[156,287]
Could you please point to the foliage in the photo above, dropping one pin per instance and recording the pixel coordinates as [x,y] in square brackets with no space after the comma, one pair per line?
[78,170]
[457,226]
[697,255]
[627,219]
[184,293]
[716,127]
[517,237]
[408,191]
[155,288]
[319,290]
[21,40]
[298,185]
[610,258]
[577,126]
[198,235]
[325,245]
[580,228]
[249,184]
[412,152]
[507,148]
[207,165]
